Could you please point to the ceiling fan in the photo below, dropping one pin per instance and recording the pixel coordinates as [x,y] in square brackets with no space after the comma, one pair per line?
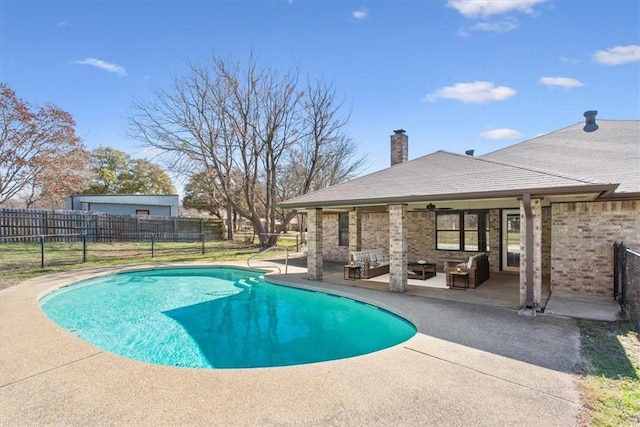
[432,208]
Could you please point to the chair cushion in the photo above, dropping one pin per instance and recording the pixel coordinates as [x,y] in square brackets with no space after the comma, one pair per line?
[373,258]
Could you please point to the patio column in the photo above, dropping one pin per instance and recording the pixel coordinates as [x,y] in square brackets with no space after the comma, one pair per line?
[355,231]
[531,252]
[397,248]
[314,244]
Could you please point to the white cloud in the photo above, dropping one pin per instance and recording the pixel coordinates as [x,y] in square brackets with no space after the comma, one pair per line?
[504,133]
[112,68]
[62,24]
[477,8]
[618,55]
[502,26]
[569,60]
[473,93]
[565,82]
[360,14]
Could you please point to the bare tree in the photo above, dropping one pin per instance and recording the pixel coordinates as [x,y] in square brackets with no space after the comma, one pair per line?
[257,135]
[324,155]
[41,158]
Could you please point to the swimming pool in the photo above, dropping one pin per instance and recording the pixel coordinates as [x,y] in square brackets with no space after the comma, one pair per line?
[219,317]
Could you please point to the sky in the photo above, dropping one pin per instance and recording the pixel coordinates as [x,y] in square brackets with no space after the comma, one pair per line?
[455,74]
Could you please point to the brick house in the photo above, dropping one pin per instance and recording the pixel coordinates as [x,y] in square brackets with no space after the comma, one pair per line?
[549,208]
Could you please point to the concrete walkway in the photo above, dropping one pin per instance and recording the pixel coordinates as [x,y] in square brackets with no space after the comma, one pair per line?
[468,365]
[580,306]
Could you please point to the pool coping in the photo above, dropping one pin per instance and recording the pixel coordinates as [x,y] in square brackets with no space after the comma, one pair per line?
[49,376]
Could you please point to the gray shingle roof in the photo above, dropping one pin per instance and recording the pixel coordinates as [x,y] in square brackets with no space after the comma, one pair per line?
[566,160]
[609,155]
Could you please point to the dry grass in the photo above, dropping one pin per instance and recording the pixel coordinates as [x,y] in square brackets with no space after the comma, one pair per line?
[610,381]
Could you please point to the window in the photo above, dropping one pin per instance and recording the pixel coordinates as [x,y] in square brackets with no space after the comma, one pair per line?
[448,231]
[343,230]
[142,212]
[462,231]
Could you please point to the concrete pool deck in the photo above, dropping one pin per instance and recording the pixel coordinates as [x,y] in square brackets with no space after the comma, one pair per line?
[468,365]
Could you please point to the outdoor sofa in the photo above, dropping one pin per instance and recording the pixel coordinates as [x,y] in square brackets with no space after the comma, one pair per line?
[477,266]
[371,262]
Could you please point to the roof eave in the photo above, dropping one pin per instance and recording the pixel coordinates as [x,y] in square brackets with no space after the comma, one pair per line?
[613,195]
[603,189]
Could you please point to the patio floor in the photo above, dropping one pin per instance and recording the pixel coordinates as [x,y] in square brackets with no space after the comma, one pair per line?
[456,370]
[502,289]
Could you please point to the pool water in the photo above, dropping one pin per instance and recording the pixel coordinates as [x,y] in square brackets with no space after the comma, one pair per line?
[218,317]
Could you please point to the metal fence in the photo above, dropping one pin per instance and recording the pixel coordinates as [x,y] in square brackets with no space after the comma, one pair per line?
[626,281]
[34,252]
[37,239]
[32,239]
[300,240]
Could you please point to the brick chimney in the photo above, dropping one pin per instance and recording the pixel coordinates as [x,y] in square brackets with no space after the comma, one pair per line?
[399,147]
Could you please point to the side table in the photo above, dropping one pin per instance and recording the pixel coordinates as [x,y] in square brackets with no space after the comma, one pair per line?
[464,275]
[351,272]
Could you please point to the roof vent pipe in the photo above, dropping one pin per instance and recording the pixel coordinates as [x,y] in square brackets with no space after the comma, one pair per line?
[590,124]
[399,147]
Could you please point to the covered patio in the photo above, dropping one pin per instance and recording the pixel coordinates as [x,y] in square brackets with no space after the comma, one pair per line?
[501,290]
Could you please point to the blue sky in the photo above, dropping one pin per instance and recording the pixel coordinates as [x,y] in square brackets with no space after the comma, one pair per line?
[455,74]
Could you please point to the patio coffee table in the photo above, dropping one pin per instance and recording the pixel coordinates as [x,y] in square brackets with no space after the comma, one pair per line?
[422,271]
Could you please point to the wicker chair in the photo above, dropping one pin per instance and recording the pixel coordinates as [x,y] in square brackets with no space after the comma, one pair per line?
[478,271]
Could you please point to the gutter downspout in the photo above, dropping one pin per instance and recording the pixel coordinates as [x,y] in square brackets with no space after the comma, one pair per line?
[528,216]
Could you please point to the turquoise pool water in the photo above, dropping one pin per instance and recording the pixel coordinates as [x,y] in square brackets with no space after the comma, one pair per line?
[218,317]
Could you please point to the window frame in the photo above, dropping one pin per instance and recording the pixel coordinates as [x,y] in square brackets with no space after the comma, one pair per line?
[482,230]
[343,230]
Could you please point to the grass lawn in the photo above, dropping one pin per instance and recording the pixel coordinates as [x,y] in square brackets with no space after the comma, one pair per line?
[610,385]
[22,261]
